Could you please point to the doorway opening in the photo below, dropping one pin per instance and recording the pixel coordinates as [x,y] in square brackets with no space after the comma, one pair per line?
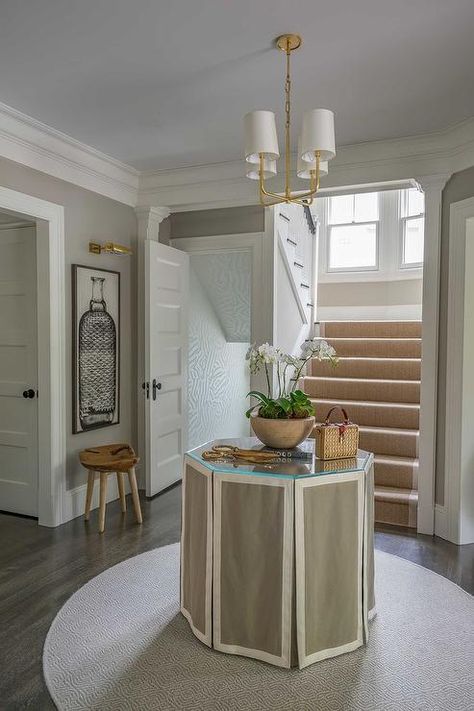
[369,307]
[50,385]
[219,337]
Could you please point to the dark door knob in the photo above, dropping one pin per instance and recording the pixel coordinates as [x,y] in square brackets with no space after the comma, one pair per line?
[156,386]
[30,393]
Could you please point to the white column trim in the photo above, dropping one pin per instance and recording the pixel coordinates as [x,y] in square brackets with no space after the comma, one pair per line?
[460,212]
[148,229]
[432,187]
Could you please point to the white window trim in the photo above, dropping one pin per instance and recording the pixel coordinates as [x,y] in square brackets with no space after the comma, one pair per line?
[389,252]
[401,260]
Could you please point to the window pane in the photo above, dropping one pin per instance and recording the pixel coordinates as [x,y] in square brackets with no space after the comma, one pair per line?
[413,202]
[353,247]
[341,209]
[413,240]
[366,207]
[416,202]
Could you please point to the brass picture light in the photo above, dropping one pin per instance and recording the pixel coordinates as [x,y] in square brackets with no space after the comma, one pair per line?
[109,248]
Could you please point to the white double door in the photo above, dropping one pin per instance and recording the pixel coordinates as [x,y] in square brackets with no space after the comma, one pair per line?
[166,360]
[18,371]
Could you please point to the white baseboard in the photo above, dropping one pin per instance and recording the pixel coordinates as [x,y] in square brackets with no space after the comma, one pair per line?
[75,499]
[441,521]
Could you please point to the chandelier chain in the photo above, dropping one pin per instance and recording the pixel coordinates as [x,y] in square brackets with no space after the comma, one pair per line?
[288,119]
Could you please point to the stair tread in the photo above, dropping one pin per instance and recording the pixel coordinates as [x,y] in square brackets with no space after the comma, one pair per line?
[394,459]
[379,378]
[373,320]
[369,403]
[392,430]
[371,359]
[392,493]
[373,338]
[373,381]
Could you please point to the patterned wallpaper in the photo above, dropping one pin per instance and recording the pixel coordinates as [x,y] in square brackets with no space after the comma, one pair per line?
[225,279]
[218,373]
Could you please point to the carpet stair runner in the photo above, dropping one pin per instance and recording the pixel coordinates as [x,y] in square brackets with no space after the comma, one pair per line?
[377,380]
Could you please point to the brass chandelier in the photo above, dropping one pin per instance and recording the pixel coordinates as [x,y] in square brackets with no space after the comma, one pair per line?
[315,147]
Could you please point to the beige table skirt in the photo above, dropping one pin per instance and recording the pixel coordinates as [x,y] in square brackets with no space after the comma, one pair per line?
[281,570]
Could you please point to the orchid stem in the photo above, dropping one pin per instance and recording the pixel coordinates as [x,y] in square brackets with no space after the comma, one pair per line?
[268,381]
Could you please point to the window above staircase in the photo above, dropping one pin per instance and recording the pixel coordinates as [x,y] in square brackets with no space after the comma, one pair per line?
[371,236]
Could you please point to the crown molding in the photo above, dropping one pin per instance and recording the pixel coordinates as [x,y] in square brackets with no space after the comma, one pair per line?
[393,160]
[30,142]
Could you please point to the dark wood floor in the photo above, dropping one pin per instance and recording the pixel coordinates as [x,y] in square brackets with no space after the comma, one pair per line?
[40,568]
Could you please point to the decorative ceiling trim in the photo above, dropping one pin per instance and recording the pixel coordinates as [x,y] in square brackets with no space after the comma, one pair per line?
[394,160]
[29,142]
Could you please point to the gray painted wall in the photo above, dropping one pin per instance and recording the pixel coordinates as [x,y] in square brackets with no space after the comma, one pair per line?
[459,187]
[90,216]
[223,221]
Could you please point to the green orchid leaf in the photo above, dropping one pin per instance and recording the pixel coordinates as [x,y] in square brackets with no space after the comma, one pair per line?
[258,395]
[250,410]
[284,403]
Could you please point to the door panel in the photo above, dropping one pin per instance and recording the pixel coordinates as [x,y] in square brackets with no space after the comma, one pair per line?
[18,371]
[166,354]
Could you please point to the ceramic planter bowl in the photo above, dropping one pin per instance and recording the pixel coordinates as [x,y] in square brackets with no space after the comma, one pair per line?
[281,434]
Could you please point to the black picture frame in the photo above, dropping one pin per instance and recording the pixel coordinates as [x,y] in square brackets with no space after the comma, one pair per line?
[81,296]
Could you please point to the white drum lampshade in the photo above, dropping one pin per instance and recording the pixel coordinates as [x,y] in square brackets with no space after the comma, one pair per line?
[260,136]
[318,135]
[269,169]
[303,168]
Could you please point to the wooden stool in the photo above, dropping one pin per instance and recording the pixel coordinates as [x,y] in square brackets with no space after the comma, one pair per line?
[105,460]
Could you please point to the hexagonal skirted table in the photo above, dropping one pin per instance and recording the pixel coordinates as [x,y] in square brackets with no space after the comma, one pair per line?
[277,560]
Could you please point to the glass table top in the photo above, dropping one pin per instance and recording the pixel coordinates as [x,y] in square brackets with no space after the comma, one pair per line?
[283,467]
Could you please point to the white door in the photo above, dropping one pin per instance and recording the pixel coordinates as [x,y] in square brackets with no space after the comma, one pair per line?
[166,358]
[18,371]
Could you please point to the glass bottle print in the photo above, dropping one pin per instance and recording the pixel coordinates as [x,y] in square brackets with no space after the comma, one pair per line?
[97,361]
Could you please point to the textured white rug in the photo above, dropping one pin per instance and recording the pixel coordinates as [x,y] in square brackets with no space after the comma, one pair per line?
[120,643]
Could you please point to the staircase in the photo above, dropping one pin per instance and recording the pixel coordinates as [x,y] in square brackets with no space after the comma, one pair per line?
[377,380]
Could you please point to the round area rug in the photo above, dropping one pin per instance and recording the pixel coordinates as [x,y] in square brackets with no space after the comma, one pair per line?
[120,643]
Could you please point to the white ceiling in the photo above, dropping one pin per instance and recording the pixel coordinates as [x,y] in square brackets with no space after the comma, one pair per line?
[165,84]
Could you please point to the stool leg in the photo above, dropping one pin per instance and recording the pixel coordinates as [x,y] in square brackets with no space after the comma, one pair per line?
[121,489]
[136,501]
[103,491]
[90,491]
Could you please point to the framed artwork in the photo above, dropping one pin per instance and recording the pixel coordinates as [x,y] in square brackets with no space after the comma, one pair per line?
[95,352]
